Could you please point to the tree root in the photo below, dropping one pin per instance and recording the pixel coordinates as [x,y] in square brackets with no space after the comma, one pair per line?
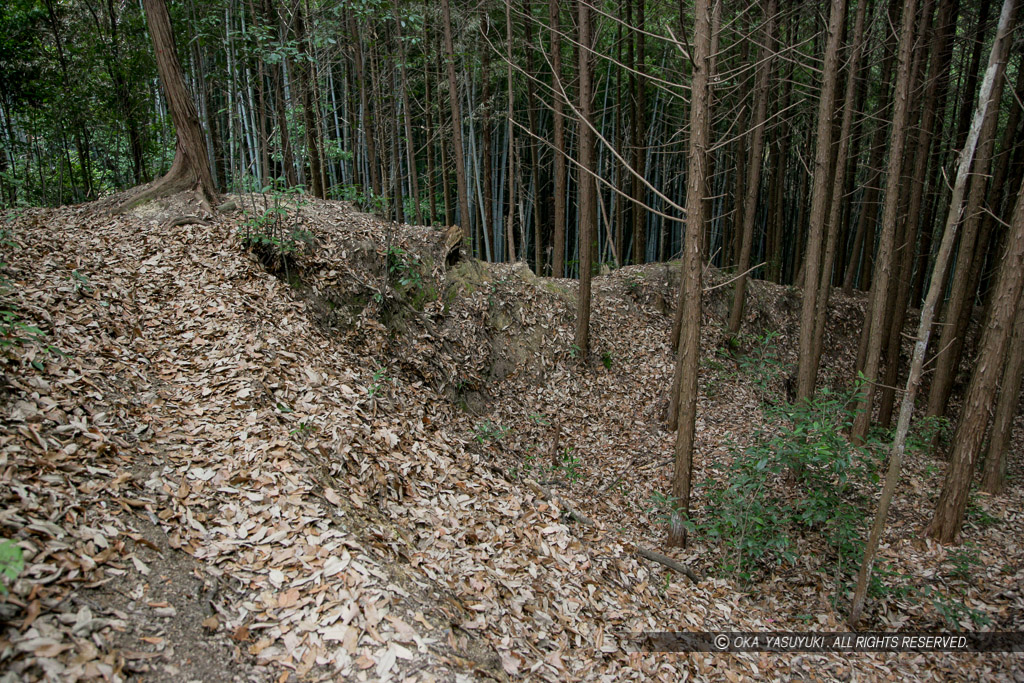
[667,562]
[184,220]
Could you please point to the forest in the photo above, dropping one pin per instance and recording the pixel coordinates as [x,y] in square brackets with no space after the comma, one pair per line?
[791,233]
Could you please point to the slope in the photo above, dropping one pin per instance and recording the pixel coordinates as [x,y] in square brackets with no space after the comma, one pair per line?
[347,466]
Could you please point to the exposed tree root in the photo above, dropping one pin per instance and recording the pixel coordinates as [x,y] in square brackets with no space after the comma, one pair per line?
[184,220]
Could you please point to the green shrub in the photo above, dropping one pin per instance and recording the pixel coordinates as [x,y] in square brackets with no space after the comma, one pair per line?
[270,232]
[793,481]
[761,364]
[488,431]
[404,268]
[12,562]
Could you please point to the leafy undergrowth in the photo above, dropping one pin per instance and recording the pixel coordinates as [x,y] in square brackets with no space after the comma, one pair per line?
[214,473]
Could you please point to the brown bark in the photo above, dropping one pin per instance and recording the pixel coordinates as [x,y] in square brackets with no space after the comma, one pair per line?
[937,64]
[859,269]
[280,105]
[410,146]
[586,187]
[935,160]
[302,69]
[776,208]
[397,195]
[487,222]
[952,503]
[638,108]
[973,73]
[428,116]
[377,126]
[710,170]
[190,168]
[623,99]
[837,200]
[994,479]
[558,134]
[531,114]
[512,149]
[685,376]
[367,118]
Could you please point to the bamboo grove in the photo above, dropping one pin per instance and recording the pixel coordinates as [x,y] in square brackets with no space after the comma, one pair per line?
[812,144]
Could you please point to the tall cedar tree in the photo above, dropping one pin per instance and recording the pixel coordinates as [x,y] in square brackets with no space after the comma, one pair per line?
[808,370]
[968,273]
[586,186]
[558,140]
[191,167]
[690,285]
[936,81]
[994,479]
[837,199]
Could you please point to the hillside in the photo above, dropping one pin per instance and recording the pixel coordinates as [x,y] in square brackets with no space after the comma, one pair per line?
[363,462]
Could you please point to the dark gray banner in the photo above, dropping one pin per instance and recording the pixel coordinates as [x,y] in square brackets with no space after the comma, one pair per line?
[725,641]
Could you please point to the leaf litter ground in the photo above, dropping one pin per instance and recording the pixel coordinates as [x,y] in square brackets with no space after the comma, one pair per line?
[227,475]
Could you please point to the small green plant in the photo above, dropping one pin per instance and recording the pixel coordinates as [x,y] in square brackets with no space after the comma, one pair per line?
[529,463]
[633,282]
[762,363]
[538,419]
[271,233]
[662,506]
[487,431]
[886,582]
[575,351]
[978,515]
[927,431]
[304,429]
[403,268]
[380,377]
[364,197]
[606,360]
[964,560]
[14,331]
[952,610]
[12,561]
[571,465]
[81,283]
